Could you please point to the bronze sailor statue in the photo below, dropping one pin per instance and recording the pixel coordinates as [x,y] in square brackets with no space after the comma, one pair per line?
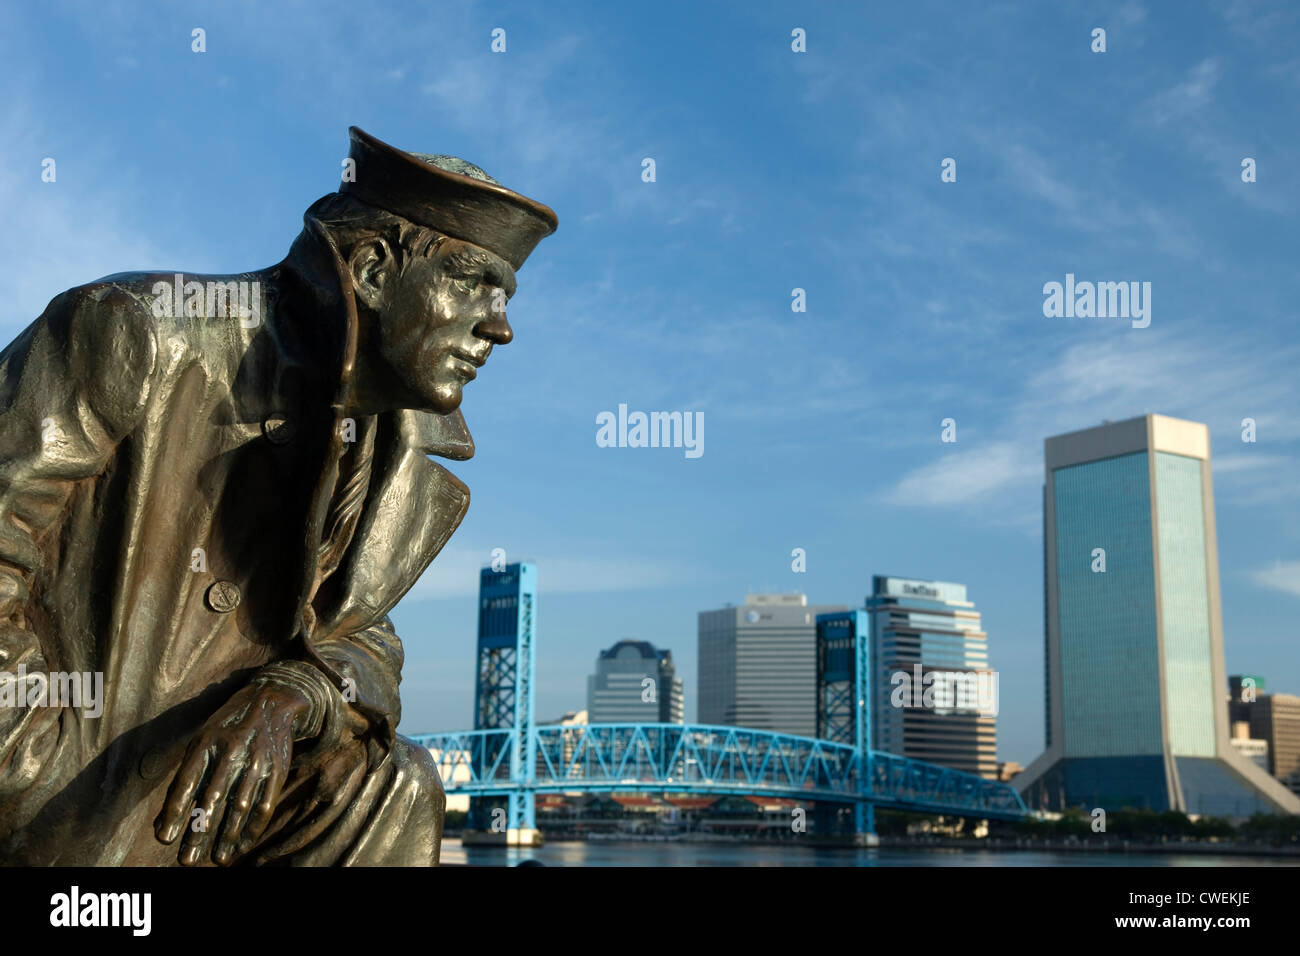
[213,489]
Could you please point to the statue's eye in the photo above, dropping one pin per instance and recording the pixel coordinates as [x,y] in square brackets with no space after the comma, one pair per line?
[467,282]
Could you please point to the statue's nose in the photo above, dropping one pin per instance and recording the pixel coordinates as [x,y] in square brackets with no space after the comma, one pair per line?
[496,329]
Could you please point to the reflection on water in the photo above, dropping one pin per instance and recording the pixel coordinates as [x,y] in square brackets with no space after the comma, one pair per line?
[725,854]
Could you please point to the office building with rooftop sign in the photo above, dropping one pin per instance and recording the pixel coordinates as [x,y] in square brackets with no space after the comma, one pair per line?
[934,694]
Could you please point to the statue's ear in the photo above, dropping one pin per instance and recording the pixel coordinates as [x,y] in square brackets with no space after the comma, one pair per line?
[372,265]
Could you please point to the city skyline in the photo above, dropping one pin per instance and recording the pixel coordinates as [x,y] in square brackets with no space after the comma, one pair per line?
[959,594]
[692,693]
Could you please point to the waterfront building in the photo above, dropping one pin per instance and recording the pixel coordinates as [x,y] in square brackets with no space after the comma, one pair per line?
[934,694]
[1136,714]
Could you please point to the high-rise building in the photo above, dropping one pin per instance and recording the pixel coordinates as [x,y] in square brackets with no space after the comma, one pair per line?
[1272,723]
[758,664]
[934,694]
[1134,636]
[1275,719]
[635,683]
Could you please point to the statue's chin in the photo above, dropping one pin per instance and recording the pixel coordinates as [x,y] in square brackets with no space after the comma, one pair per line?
[441,396]
[444,399]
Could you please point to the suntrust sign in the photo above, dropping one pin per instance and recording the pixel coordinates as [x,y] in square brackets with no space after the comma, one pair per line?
[927,590]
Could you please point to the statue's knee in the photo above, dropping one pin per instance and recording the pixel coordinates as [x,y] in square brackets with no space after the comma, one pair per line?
[417,775]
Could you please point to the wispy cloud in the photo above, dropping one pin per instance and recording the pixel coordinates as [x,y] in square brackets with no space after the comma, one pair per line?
[1108,207]
[1238,462]
[1282,576]
[965,477]
[1189,96]
[1269,25]
[1131,14]
[475,89]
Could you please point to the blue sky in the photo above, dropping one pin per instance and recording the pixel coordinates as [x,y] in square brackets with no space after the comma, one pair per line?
[775,170]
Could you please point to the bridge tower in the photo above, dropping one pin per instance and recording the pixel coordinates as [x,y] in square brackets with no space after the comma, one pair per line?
[503,696]
[844,705]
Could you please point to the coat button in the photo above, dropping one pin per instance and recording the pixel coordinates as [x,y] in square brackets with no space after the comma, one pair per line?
[155,762]
[278,429]
[223,596]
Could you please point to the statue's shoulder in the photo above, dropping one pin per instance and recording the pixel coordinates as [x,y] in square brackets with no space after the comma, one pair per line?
[110,312]
[126,313]
[108,337]
[116,300]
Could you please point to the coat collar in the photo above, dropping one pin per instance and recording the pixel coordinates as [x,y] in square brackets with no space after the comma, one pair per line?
[413,505]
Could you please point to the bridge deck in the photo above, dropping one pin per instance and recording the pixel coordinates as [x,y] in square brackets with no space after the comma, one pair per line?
[704,759]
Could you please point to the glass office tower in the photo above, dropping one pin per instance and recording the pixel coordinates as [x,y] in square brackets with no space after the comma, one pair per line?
[926,635]
[1137,715]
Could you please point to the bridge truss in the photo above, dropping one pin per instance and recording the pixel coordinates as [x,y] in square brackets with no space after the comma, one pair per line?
[704,759]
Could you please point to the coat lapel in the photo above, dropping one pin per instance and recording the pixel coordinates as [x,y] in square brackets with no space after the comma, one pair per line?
[412,506]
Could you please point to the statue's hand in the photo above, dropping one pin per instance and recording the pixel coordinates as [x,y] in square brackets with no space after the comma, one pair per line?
[243,753]
[26,738]
[19,646]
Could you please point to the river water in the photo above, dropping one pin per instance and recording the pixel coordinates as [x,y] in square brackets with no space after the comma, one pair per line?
[748,854]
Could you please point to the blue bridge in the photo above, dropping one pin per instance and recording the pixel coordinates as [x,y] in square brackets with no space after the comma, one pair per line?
[514,758]
[700,759]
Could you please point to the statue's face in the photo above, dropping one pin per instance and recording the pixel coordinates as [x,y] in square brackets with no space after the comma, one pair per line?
[441,316]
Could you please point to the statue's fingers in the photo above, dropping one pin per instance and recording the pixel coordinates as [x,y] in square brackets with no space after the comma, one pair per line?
[180,795]
[238,808]
[207,814]
[264,804]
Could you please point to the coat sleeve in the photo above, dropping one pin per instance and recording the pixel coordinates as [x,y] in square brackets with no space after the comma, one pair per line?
[370,665]
[71,387]
[351,681]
